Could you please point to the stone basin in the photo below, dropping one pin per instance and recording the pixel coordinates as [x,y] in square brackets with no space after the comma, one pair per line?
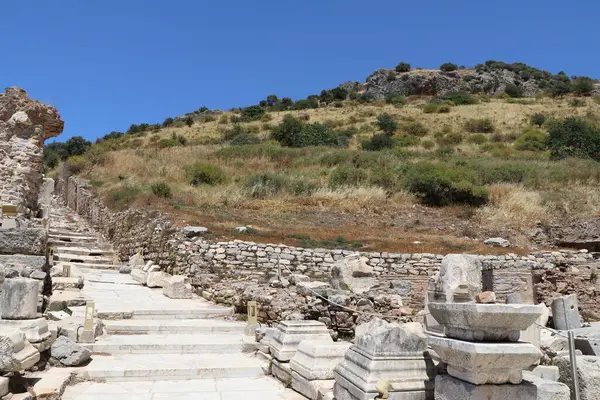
[485,363]
[485,322]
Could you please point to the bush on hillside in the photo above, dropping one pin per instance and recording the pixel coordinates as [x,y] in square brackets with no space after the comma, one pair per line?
[387,124]
[402,67]
[161,189]
[513,91]
[253,113]
[395,99]
[244,139]
[407,140]
[168,122]
[531,140]
[440,185]
[414,128]
[575,137]
[264,185]
[378,142]
[460,98]
[582,86]
[559,88]
[537,119]
[477,138]
[201,173]
[346,176]
[483,125]
[294,133]
[448,67]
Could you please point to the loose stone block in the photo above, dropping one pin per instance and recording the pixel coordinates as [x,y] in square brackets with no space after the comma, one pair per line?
[450,388]
[309,288]
[36,330]
[316,360]
[489,322]
[289,334]
[16,353]
[157,279]
[136,260]
[281,371]
[139,276]
[456,270]
[565,313]
[485,363]
[547,372]
[19,298]
[177,287]
[68,352]
[30,241]
[390,352]
[588,340]
[4,386]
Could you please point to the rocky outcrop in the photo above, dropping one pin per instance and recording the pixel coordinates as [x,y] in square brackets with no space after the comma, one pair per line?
[24,125]
[437,83]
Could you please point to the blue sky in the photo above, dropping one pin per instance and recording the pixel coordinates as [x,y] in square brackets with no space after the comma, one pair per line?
[108,64]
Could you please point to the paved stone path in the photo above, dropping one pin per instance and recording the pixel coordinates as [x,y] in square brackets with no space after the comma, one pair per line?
[155,347]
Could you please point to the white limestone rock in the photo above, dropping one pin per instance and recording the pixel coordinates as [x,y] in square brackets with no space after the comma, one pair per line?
[19,298]
[36,330]
[497,242]
[139,276]
[193,231]
[456,270]
[177,287]
[485,363]
[588,340]
[311,389]
[353,273]
[315,360]
[289,334]
[157,279]
[16,353]
[68,352]
[136,260]
[310,288]
[565,312]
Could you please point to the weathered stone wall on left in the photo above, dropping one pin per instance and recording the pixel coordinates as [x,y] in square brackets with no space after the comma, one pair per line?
[24,126]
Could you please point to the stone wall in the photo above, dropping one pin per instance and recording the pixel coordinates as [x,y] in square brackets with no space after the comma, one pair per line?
[24,125]
[127,230]
[233,272]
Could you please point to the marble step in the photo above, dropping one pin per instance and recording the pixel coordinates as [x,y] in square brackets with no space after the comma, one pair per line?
[188,343]
[90,265]
[155,367]
[68,232]
[81,259]
[85,251]
[58,243]
[166,314]
[173,326]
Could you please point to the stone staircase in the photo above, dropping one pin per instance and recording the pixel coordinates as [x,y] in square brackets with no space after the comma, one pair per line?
[154,347]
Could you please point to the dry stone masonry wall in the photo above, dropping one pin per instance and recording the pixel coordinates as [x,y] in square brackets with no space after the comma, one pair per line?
[236,271]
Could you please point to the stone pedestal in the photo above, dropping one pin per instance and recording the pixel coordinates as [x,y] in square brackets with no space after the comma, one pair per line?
[485,363]
[311,389]
[449,388]
[316,360]
[565,313]
[19,299]
[390,352]
[289,334]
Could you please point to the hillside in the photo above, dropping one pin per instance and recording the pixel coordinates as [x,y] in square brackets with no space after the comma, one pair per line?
[369,166]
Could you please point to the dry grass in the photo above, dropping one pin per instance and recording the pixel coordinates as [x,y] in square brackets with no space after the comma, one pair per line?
[382,221]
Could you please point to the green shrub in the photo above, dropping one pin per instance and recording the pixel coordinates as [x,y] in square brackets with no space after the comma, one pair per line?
[395,99]
[577,103]
[224,119]
[244,139]
[406,140]
[444,109]
[477,138]
[76,164]
[531,140]
[201,173]
[161,189]
[165,143]
[387,124]
[347,176]
[427,144]
[502,173]
[451,138]
[460,98]
[574,136]
[431,108]
[440,184]
[253,113]
[264,185]
[414,128]
[402,67]
[167,122]
[126,194]
[385,178]
[448,67]
[378,142]
[582,86]
[484,125]
[513,90]
[294,133]
[537,119]
[334,158]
